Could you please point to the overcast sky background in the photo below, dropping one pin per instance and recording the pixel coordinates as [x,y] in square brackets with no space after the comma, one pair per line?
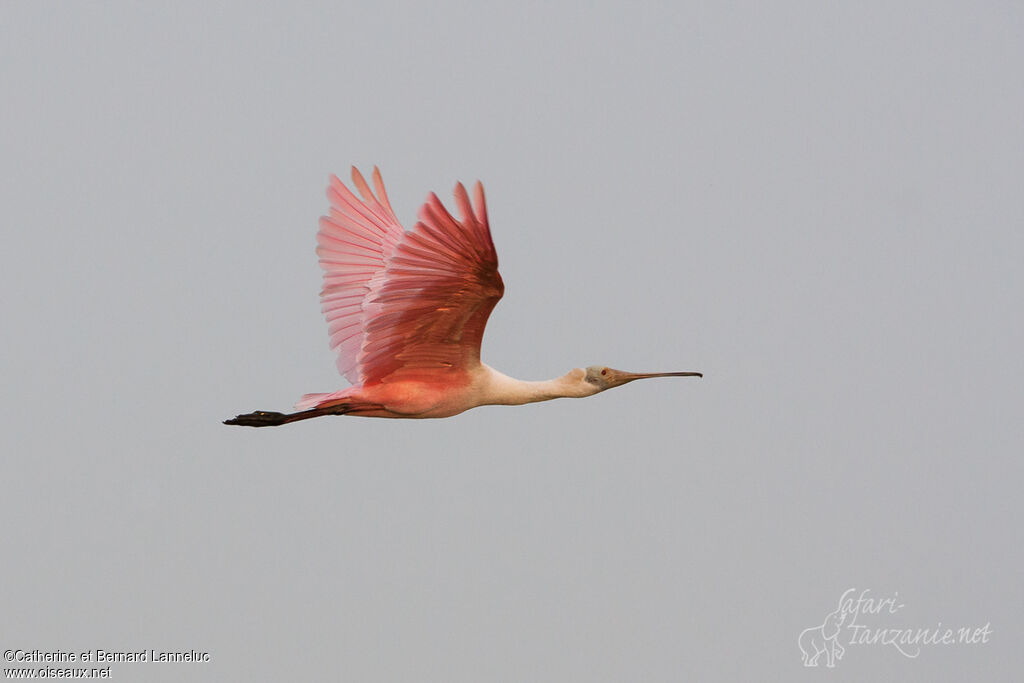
[820,207]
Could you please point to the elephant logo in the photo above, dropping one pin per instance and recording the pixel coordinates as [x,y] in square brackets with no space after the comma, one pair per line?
[823,640]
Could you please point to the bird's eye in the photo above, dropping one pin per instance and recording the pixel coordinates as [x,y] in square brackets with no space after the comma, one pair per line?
[605,371]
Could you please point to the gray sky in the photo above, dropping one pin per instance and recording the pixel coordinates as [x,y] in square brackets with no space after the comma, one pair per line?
[820,207]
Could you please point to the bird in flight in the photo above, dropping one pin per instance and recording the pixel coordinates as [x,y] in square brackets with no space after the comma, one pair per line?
[406,313]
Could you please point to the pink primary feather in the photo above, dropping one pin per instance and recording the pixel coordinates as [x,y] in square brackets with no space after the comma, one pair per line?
[405,305]
[353,242]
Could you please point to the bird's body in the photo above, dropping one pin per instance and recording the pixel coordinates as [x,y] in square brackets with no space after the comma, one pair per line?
[479,386]
[406,313]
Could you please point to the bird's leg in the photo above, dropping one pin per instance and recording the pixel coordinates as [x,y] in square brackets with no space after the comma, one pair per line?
[263,418]
[260,418]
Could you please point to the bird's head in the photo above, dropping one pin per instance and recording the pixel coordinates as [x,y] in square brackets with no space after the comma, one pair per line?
[604,377]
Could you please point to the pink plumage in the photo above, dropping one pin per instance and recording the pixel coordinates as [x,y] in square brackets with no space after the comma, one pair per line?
[354,241]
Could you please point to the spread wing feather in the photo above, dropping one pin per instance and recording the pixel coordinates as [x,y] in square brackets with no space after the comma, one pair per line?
[353,243]
[406,305]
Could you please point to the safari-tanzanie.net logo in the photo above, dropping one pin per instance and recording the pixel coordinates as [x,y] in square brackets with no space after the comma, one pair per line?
[860,619]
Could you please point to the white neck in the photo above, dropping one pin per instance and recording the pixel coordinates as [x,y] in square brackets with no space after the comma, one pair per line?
[500,389]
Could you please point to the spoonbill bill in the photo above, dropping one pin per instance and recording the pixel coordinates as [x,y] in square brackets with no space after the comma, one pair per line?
[406,313]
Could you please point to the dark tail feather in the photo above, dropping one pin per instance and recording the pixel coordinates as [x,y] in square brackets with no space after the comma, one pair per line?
[262,418]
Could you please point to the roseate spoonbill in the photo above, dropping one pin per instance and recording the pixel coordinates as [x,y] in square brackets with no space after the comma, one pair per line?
[406,313]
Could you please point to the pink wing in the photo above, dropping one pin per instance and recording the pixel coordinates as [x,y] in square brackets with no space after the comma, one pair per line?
[353,243]
[406,305]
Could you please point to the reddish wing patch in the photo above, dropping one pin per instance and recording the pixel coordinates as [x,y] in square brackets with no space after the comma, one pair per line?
[439,287]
